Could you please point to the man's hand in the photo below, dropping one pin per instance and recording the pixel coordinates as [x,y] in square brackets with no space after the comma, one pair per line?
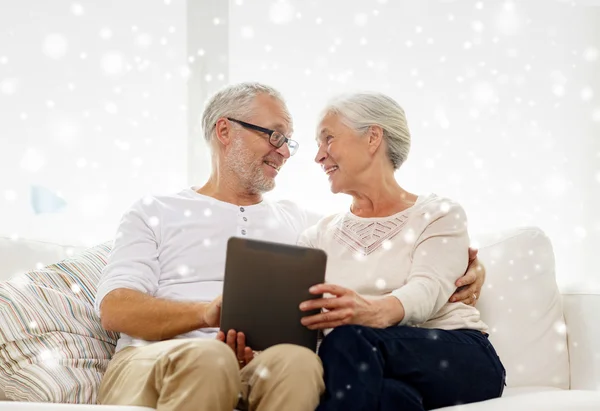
[212,312]
[237,342]
[469,285]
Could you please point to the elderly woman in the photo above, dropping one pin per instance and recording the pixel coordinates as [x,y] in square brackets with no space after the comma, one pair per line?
[393,341]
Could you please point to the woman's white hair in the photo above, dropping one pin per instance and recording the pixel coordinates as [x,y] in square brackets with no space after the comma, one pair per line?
[359,111]
[236,101]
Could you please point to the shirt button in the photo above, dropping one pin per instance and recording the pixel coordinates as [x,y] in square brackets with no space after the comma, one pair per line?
[245,219]
[243,232]
[242,209]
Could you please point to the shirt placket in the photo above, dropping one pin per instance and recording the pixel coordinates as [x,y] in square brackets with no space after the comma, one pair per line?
[242,223]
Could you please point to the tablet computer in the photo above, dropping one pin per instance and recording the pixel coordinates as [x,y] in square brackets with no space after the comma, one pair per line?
[263,287]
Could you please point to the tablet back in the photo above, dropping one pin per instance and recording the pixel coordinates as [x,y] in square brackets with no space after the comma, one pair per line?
[264,285]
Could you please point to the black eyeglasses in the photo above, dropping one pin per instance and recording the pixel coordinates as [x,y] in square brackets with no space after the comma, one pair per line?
[276,139]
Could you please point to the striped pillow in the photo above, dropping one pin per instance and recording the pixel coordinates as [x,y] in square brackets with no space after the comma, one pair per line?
[52,346]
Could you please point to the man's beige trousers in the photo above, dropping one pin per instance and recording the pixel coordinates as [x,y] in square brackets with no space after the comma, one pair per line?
[198,375]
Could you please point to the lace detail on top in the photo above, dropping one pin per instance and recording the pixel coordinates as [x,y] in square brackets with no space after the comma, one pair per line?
[367,236]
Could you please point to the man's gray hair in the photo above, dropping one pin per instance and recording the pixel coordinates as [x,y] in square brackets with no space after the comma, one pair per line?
[235,101]
[361,110]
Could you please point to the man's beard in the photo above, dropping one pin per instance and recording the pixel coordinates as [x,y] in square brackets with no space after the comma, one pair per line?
[241,162]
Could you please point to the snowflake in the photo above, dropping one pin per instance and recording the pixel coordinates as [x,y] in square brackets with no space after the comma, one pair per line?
[363,366]
[33,324]
[444,364]
[281,12]
[105,33]
[111,107]
[207,212]
[587,93]
[580,232]
[263,372]
[380,283]
[183,270]
[10,195]
[153,221]
[359,256]
[9,86]
[590,54]
[556,185]
[387,244]
[77,9]
[410,236]
[75,288]
[247,32]
[560,328]
[143,40]
[361,19]
[113,64]
[55,46]
[49,358]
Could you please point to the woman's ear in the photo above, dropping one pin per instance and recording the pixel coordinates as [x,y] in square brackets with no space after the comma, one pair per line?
[375,134]
[223,131]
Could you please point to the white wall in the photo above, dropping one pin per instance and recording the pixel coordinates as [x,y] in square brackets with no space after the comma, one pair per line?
[93,108]
[502,99]
[99,101]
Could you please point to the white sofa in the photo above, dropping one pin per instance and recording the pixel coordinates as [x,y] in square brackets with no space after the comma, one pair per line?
[549,342]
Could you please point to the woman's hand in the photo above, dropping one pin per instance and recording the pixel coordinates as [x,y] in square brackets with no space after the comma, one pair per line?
[471,283]
[346,307]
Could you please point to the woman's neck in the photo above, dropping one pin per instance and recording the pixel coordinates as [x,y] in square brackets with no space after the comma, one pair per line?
[381,201]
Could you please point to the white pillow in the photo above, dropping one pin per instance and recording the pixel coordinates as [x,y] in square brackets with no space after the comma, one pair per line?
[521,304]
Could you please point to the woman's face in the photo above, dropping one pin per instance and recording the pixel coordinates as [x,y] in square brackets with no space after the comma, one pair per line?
[342,153]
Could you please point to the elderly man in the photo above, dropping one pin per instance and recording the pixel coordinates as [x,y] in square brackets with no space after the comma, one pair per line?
[161,287]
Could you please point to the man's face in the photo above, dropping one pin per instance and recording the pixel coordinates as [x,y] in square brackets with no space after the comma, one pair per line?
[250,156]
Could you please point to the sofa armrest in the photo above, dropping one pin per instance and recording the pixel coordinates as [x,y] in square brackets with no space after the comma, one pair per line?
[583,335]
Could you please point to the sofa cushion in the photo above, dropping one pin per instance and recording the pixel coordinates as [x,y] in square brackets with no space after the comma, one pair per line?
[560,400]
[52,346]
[581,313]
[522,305]
[20,255]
